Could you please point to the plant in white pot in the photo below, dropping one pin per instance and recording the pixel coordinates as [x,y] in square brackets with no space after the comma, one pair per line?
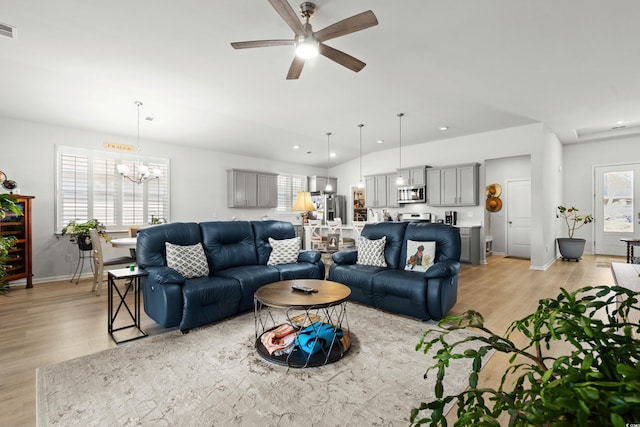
[571,247]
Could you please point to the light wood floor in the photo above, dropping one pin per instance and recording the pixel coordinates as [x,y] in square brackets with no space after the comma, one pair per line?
[57,321]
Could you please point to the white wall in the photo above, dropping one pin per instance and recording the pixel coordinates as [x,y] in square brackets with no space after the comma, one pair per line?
[499,171]
[577,175]
[198,183]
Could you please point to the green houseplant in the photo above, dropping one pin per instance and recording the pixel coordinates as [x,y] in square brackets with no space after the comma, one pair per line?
[79,232]
[7,204]
[595,383]
[571,247]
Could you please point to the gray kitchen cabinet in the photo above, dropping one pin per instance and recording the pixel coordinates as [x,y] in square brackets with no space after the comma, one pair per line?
[392,191]
[433,187]
[375,188]
[453,186]
[412,176]
[267,190]
[250,189]
[470,244]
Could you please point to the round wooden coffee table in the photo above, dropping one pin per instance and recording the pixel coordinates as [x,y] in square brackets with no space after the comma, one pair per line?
[277,303]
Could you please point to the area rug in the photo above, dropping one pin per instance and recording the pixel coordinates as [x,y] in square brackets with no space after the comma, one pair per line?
[213,376]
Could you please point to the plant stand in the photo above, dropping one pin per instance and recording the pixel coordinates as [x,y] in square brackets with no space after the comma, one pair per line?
[82,255]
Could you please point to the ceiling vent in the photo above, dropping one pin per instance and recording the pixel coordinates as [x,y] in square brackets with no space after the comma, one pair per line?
[8,31]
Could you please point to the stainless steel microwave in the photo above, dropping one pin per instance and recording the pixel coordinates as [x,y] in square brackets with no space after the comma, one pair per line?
[412,194]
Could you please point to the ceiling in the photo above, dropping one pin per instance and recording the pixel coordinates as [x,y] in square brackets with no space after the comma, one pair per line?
[471,65]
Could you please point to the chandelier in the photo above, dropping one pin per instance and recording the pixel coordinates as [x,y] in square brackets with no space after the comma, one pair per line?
[143,174]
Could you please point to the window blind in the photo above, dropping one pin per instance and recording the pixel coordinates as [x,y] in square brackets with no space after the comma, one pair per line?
[288,188]
[88,185]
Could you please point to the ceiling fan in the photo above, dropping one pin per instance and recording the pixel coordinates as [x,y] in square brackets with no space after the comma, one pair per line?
[309,43]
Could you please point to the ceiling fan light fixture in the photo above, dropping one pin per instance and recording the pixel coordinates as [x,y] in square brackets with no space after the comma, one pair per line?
[306,48]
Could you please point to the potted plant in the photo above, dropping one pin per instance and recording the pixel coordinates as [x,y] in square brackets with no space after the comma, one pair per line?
[570,247]
[7,204]
[594,382]
[79,232]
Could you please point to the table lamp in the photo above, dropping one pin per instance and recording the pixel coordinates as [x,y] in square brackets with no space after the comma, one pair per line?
[303,204]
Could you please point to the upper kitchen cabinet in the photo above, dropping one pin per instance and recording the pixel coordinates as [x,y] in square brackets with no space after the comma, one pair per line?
[433,187]
[375,187]
[453,186]
[413,176]
[319,183]
[250,189]
[267,190]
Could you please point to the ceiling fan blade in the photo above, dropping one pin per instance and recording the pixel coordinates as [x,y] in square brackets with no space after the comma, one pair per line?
[341,58]
[287,13]
[295,69]
[357,22]
[262,43]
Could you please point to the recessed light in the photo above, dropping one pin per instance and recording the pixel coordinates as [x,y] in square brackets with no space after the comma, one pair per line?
[296,147]
[443,128]
[380,141]
[333,154]
[619,122]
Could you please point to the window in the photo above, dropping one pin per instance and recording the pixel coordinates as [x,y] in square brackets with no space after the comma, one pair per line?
[88,185]
[618,202]
[288,188]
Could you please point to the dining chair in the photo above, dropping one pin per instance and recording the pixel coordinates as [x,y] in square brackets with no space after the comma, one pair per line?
[357,227]
[317,240]
[99,262]
[335,227]
[133,232]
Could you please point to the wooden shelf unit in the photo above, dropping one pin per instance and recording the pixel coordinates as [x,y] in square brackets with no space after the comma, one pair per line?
[20,264]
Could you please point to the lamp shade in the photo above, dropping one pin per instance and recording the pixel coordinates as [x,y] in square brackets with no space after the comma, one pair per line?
[303,202]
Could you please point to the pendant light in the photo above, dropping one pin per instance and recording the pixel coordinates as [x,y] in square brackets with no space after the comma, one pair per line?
[143,174]
[399,179]
[329,187]
[361,182]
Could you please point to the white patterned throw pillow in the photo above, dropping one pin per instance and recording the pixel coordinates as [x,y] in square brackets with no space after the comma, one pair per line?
[371,252]
[190,260]
[284,251]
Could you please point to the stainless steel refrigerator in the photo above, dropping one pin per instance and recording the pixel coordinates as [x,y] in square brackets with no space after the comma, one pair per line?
[329,207]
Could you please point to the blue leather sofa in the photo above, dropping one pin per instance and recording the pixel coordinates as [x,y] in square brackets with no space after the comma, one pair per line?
[425,295]
[237,254]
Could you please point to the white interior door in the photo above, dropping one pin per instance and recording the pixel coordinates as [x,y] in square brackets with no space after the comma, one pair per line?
[615,213]
[518,197]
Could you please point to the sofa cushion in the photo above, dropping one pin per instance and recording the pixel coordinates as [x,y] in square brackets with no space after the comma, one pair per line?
[284,251]
[150,247]
[228,244]
[250,277]
[396,244]
[447,239]
[420,255]
[262,230]
[188,260]
[401,291]
[371,252]
[358,278]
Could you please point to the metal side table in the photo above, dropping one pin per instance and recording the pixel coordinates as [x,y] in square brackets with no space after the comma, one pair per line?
[121,282]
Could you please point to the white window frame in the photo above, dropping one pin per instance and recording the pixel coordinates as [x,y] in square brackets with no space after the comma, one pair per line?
[107,190]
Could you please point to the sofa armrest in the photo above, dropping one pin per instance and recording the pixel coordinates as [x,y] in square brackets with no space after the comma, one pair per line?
[309,255]
[165,275]
[442,269]
[345,257]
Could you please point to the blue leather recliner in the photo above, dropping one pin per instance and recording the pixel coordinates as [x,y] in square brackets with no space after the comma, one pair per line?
[237,253]
[426,295]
